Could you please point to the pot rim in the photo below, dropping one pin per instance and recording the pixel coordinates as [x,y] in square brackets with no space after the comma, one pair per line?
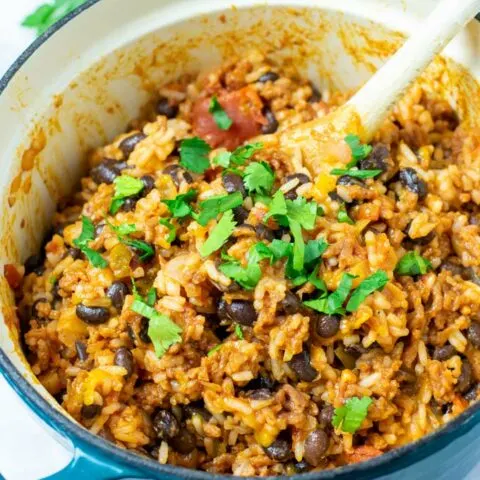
[52,416]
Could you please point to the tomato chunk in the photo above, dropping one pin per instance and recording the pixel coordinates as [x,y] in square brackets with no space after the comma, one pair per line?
[244,108]
[13,276]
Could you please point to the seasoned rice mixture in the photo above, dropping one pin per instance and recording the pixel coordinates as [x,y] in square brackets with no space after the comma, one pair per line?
[209,301]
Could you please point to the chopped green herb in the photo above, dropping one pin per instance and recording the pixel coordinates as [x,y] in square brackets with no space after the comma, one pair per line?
[350,417]
[151,297]
[318,283]
[49,13]
[239,331]
[211,207]
[248,276]
[161,329]
[259,177]
[136,294]
[241,154]
[145,249]
[219,235]
[356,173]
[180,205]
[216,348]
[194,154]
[412,263]
[303,212]
[222,120]
[314,250]
[374,282]
[298,244]
[222,159]
[124,229]
[342,216]
[86,236]
[172,231]
[280,249]
[125,186]
[278,205]
[52,279]
[359,151]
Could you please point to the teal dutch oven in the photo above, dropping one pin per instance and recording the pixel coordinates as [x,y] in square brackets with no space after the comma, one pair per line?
[80,83]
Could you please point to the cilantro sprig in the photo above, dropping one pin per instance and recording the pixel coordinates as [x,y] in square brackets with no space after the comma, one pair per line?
[219,235]
[411,264]
[359,150]
[162,330]
[353,172]
[172,231]
[86,236]
[350,417]
[125,186]
[222,120]
[211,207]
[194,154]
[180,206]
[259,177]
[343,217]
[239,156]
[49,13]
[123,231]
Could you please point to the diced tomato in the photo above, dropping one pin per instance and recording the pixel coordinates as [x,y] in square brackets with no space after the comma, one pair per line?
[13,276]
[363,453]
[244,108]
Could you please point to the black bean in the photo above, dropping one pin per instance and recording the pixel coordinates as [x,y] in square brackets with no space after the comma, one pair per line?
[348,181]
[272,123]
[81,350]
[33,262]
[301,467]
[264,233]
[238,311]
[260,394]
[465,379]
[197,409]
[165,425]
[117,292]
[316,96]
[301,365]
[178,174]
[148,184]
[240,214]
[425,240]
[280,450]
[128,145]
[75,253]
[302,180]
[184,443]
[268,77]
[411,180]
[122,165]
[473,334]
[326,416]
[124,358]
[90,411]
[166,108]
[233,183]
[316,445]
[105,172]
[444,353]
[327,325]
[472,394]
[291,304]
[143,331]
[92,315]
[129,204]
[376,159]
[453,267]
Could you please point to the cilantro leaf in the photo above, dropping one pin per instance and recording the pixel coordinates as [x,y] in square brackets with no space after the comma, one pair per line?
[412,263]
[145,249]
[180,205]
[314,250]
[219,235]
[298,244]
[350,417]
[49,13]
[259,177]
[125,186]
[303,212]
[216,348]
[241,154]
[374,282]
[172,231]
[151,297]
[248,276]
[194,154]
[359,151]
[222,159]
[161,329]
[239,331]
[278,205]
[211,207]
[222,120]
[86,236]
[280,249]
[356,173]
[342,216]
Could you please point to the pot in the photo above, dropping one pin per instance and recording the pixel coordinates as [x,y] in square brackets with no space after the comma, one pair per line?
[82,81]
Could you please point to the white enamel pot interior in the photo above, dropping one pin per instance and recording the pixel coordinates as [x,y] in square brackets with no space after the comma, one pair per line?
[81,83]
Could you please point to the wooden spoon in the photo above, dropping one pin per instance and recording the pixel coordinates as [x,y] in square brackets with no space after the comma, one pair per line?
[320,141]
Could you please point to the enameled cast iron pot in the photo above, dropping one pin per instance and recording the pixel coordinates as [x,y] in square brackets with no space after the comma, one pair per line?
[79,85]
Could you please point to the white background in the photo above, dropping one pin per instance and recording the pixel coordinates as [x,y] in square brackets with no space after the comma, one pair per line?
[26,452]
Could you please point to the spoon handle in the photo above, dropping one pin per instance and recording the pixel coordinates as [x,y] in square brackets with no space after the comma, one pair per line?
[374,101]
